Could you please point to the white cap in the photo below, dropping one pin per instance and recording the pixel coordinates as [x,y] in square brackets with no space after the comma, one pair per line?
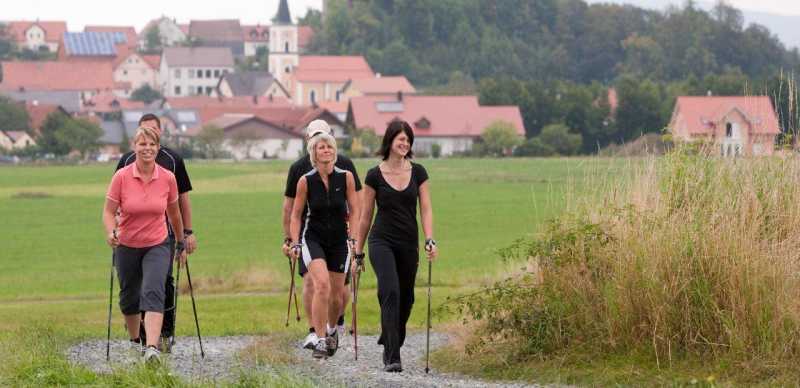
[316,127]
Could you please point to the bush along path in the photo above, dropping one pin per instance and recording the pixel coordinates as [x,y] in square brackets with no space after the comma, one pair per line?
[221,363]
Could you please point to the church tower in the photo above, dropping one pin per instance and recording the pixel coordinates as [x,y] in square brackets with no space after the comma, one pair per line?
[283,51]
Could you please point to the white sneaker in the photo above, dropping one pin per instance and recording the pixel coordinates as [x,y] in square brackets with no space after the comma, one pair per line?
[310,341]
[340,330]
[151,355]
[135,348]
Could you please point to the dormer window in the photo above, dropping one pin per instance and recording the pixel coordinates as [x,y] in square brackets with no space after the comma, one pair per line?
[423,123]
[728,130]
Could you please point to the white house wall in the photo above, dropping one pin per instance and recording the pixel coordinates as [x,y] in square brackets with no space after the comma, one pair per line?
[274,148]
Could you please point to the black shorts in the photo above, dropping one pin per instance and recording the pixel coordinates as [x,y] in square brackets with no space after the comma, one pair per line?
[337,257]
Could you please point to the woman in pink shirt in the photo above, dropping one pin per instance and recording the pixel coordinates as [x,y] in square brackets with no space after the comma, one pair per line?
[142,192]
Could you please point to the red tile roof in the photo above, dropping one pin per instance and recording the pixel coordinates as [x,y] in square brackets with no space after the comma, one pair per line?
[332,68]
[197,102]
[106,101]
[383,85]
[47,75]
[291,118]
[449,116]
[130,32]
[52,30]
[38,112]
[257,33]
[700,113]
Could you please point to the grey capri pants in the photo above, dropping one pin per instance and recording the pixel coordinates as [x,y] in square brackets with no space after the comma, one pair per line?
[142,274]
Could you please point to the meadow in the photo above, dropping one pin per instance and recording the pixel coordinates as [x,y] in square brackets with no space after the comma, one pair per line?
[54,263]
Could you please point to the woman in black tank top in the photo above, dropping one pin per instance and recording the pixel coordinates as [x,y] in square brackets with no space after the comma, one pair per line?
[326,193]
[396,185]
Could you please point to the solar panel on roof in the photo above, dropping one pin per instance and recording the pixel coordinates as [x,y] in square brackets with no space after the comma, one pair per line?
[93,43]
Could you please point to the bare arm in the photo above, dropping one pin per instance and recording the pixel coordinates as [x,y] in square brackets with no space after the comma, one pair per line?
[426,214]
[175,219]
[354,204]
[297,209]
[110,221]
[288,205]
[368,207]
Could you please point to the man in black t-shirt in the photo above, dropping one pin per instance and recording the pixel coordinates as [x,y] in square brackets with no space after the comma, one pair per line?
[172,161]
[297,170]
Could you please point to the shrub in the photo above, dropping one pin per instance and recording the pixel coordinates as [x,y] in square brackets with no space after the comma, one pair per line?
[691,257]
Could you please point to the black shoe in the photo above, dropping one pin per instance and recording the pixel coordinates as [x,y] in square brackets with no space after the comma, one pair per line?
[333,343]
[393,367]
[320,349]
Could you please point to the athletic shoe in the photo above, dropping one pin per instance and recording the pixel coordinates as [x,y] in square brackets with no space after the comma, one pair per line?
[310,341]
[340,330]
[136,348]
[393,367]
[152,355]
[320,349]
[333,343]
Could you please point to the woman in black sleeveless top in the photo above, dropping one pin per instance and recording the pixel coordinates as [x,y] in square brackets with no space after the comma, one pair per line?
[395,186]
[322,241]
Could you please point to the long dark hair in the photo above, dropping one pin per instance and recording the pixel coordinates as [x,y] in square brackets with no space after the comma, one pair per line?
[394,129]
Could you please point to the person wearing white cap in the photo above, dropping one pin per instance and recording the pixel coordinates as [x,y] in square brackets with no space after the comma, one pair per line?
[298,169]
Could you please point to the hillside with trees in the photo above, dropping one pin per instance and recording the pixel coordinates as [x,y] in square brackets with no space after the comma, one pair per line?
[557,59]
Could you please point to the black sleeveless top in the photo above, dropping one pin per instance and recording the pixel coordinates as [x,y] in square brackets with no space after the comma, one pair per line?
[326,207]
[397,210]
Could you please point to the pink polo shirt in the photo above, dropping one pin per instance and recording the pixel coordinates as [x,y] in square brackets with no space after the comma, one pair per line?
[142,205]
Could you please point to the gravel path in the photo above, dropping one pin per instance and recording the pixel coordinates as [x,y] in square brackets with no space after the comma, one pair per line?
[222,364]
[366,372]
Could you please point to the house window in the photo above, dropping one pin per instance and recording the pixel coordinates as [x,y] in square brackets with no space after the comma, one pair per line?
[313,97]
[286,47]
[728,130]
[338,95]
[199,90]
[288,69]
[177,90]
[216,73]
[208,73]
[737,150]
[124,72]
[209,89]
[177,73]
[191,73]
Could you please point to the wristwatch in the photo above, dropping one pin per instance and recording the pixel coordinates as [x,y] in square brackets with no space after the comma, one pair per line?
[179,246]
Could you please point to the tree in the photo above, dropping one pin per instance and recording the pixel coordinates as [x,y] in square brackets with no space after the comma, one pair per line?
[534,147]
[79,135]
[245,140]
[558,137]
[153,40]
[13,116]
[211,139]
[47,141]
[146,94]
[7,46]
[500,138]
[639,108]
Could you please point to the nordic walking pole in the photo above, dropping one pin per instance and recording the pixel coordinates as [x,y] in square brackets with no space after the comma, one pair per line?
[175,304]
[110,297]
[291,292]
[428,248]
[355,276]
[194,309]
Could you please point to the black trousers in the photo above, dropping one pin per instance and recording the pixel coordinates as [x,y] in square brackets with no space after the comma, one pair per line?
[395,266]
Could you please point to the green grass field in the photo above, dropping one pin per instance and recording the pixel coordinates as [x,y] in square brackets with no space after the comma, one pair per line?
[54,264]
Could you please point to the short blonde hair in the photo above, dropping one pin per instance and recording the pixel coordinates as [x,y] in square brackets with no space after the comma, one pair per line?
[312,145]
[147,132]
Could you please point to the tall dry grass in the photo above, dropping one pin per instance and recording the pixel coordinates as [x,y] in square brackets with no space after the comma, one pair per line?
[689,257]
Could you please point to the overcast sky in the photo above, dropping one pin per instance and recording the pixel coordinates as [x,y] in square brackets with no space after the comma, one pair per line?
[137,13]
[78,13]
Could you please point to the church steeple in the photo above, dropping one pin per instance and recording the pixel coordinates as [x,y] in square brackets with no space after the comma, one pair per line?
[283,16]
